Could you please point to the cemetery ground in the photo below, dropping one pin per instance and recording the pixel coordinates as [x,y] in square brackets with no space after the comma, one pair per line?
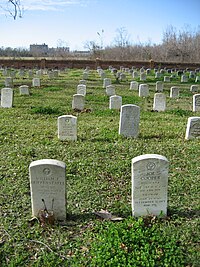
[98,177]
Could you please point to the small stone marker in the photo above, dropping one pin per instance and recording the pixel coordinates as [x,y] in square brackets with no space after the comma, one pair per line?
[135,75]
[196,102]
[24,90]
[9,82]
[197,79]
[129,120]
[193,128]
[159,86]
[143,90]
[115,102]
[159,103]
[85,75]
[158,75]
[149,185]
[78,102]
[106,82]
[110,90]
[194,88]
[143,76]
[174,92]
[47,182]
[166,79]
[81,89]
[67,128]
[6,97]
[184,79]
[36,82]
[134,85]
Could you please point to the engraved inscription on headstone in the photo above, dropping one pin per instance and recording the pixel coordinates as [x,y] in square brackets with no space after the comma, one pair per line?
[67,128]
[47,182]
[149,185]
[196,102]
[193,128]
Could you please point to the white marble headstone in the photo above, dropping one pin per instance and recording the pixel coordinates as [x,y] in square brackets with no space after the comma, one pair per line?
[174,92]
[106,82]
[47,182]
[159,102]
[9,82]
[159,86]
[115,102]
[6,97]
[36,82]
[193,128]
[149,185]
[24,90]
[196,102]
[78,102]
[194,88]
[134,85]
[110,90]
[143,90]
[67,128]
[81,89]
[129,121]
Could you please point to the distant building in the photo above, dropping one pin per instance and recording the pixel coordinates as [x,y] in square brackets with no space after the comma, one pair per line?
[37,49]
[44,50]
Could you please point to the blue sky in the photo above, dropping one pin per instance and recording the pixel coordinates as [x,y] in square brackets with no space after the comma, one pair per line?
[77,21]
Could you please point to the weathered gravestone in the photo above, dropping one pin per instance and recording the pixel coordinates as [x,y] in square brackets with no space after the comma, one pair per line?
[143,76]
[36,82]
[24,90]
[81,89]
[8,82]
[196,102]
[85,75]
[115,102]
[6,97]
[174,92]
[110,90]
[184,79]
[134,85]
[197,79]
[129,121]
[78,102]
[193,128]
[135,75]
[166,79]
[159,102]
[149,185]
[106,82]
[143,90]
[47,184]
[159,86]
[194,88]
[67,128]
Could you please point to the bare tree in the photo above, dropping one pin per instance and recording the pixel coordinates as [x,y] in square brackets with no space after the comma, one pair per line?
[13,8]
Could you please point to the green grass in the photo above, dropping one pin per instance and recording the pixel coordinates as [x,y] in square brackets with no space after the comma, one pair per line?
[98,176]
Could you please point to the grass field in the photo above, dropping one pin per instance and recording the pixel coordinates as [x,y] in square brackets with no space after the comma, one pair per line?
[98,176]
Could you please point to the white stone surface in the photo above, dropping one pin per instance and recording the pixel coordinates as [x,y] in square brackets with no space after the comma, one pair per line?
[143,90]
[193,128]
[159,86]
[149,185]
[6,97]
[36,82]
[143,76]
[78,102]
[24,90]
[166,79]
[196,102]
[9,82]
[67,128]
[194,88]
[134,85]
[47,181]
[110,90]
[115,102]
[129,121]
[106,82]
[159,102]
[81,89]
[174,92]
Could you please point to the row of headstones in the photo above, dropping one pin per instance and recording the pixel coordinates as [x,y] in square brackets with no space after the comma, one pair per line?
[149,186]
[9,82]
[30,73]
